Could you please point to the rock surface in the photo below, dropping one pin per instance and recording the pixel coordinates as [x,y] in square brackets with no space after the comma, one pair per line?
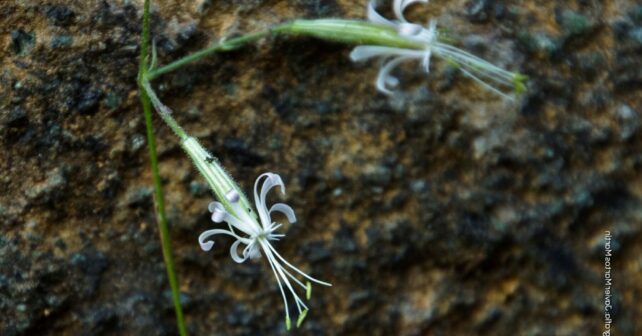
[441,211]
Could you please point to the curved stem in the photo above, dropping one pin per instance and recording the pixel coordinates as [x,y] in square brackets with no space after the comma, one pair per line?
[225,45]
[335,30]
[159,200]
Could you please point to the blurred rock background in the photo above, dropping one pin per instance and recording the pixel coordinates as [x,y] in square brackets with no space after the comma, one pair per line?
[442,211]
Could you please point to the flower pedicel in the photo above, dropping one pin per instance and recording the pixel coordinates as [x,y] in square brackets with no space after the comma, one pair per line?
[255,233]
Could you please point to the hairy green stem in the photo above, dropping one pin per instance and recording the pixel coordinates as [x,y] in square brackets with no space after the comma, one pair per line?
[207,164]
[159,199]
[336,30]
[163,111]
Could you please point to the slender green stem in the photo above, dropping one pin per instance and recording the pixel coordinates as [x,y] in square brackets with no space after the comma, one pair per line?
[336,30]
[159,199]
[225,45]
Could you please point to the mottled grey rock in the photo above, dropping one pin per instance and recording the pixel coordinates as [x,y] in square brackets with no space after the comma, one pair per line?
[22,41]
[574,23]
[139,196]
[61,41]
[441,210]
[60,15]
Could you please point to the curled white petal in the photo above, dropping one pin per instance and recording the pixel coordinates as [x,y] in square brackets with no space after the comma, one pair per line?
[218,215]
[411,31]
[257,196]
[385,79]
[207,245]
[235,254]
[399,6]
[284,209]
[270,180]
[214,205]
[375,17]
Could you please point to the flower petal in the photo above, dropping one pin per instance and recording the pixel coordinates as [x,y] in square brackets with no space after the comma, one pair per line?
[207,245]
[361,53]
[408,29]
[257,200]
[284,209]
[399,6]
[220,214]
[375,17]
[215,205]
[429,35]
[271,180]
[426,61]
[384,79]
[252,251]
[242,217]
[235,254]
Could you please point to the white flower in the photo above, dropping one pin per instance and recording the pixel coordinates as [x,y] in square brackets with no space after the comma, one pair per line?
[472,66]
[234,209]
[255,235]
